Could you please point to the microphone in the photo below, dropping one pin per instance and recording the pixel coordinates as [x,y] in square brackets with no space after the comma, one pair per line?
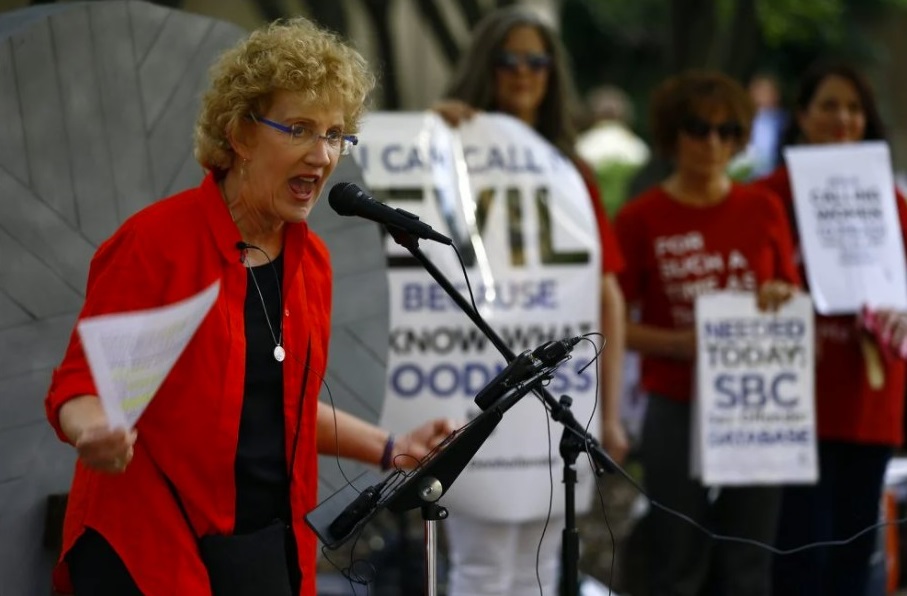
[523,367]
[348,199]
[518,370]
[242,246]
[555,352]
[356,511]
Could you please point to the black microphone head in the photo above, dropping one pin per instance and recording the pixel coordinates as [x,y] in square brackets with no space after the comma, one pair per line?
[555,352]
[343,196]
[241,245]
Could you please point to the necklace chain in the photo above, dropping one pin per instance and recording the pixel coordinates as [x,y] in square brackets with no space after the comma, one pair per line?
[279,352]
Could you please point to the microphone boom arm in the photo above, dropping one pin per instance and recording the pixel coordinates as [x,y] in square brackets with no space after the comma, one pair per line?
[602,460]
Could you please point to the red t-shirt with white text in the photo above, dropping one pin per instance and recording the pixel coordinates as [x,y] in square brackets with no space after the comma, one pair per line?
[674,252]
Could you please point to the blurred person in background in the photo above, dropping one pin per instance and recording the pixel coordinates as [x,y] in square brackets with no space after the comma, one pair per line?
[858,424]
[700,120]
[763,152]
[515,64]
[610,146]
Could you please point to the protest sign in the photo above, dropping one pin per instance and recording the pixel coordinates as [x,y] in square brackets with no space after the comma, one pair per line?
[521,217]
[755,415]
[848,224]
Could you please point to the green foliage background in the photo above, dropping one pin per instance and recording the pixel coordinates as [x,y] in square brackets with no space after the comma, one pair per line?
[634,44]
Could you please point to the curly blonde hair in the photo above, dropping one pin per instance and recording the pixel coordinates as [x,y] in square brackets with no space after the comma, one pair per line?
[292,55]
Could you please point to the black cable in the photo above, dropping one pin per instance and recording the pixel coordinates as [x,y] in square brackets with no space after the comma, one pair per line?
[601,497]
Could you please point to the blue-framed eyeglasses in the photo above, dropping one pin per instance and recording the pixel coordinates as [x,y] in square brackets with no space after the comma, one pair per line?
[511,61]
[300,134]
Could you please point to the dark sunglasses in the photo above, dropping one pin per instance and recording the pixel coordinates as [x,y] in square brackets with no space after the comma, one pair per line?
[511,61]
[700,129]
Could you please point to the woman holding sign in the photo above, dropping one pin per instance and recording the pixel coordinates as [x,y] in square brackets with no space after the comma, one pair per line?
[208,492]
[515,64]
[859,377]
[698,232]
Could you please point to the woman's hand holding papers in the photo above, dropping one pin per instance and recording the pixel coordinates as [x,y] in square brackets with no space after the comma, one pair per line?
[99,447]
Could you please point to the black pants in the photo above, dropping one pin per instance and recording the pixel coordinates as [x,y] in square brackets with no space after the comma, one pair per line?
[97,570]
[680,559]
[845,501]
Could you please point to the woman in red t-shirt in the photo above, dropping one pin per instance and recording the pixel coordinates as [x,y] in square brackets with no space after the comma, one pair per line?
[859,419]
[698,232]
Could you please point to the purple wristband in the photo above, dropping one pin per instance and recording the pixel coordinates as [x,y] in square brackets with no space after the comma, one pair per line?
[387,456]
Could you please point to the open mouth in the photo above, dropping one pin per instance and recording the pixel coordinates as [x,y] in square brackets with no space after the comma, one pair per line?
[303,187]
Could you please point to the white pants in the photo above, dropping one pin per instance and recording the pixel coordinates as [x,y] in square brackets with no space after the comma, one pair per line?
[499,558]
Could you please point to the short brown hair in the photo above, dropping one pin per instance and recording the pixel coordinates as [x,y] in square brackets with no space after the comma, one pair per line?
[688,95]
[288,54]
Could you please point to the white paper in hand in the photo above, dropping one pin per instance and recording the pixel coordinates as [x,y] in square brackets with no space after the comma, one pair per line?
[130,354]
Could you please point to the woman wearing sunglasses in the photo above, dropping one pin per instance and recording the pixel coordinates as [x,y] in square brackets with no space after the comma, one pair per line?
[515,64]
[858,423]
[698,232]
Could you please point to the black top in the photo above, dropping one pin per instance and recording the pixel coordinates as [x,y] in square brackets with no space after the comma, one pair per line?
[262,480]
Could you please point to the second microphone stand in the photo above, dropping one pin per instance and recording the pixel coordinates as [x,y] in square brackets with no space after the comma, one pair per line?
[575,438]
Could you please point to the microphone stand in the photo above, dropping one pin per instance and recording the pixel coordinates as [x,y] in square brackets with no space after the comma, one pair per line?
[574,439]
[432,479]
[338,517]
[570,447]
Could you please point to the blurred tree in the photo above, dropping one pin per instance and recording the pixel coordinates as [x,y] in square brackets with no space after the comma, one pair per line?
[736,36]
[636,43]
[631,43]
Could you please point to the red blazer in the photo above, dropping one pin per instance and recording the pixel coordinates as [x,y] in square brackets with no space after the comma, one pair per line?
[165,253]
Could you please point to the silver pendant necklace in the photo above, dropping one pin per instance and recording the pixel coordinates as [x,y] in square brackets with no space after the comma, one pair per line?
[279,352]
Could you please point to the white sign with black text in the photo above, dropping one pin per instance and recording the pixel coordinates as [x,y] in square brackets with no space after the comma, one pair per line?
[755,419]
[849,227]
